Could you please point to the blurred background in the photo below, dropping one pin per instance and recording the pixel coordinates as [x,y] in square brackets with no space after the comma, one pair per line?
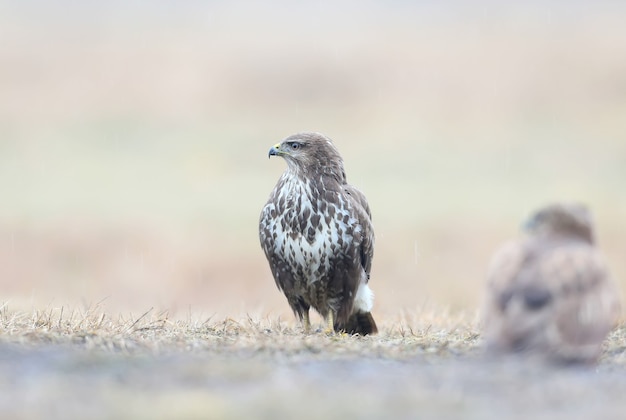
[134,140]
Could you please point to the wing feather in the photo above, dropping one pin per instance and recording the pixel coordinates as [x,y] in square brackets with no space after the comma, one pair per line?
[363,215]
[556,298]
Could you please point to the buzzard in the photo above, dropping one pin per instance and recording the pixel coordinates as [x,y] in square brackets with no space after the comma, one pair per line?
[316,232]
[550,294]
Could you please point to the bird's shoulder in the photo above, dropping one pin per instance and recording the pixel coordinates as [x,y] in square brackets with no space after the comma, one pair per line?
[560,266]
[573,267]
[357,198]
[505,263]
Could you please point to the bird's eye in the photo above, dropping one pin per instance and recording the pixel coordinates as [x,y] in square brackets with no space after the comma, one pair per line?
[295,146]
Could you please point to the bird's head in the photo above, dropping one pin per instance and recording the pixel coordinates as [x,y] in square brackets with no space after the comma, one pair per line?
[570,219]
[310,153]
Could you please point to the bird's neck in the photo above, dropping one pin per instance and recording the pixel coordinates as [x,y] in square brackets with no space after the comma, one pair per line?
[325,174]
[565,236]
[298,185]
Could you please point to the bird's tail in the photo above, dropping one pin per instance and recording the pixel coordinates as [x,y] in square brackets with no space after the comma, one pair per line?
[359,323]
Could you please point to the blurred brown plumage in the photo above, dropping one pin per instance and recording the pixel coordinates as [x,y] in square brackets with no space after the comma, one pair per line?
[551,293]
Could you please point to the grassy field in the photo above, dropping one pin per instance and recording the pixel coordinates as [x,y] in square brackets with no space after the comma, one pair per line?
[133,167]
[83,364]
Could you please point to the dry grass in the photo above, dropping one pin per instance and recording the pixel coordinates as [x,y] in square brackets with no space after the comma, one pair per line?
[85,363]
[430,332]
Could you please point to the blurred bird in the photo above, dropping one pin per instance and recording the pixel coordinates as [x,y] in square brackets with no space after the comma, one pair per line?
[317,235]
[550,294]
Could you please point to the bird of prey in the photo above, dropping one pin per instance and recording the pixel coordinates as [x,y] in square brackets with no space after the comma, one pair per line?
[550,294]
[316,232]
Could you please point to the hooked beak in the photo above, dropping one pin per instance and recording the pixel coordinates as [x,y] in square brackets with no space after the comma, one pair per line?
[275,151]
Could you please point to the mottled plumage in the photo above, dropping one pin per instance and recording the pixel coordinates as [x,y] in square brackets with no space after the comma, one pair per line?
[550,293]
[317,235]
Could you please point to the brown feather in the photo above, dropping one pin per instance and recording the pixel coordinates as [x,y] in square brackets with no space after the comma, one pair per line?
[317,234]
[359,323]
[551,292]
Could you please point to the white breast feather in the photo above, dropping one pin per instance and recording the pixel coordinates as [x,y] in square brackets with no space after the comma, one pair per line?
[309,254]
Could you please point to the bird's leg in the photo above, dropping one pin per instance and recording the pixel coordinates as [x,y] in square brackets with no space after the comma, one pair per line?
[306,322]
[330,323]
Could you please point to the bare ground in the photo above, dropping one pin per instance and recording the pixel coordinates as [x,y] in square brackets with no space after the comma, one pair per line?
[85,364]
